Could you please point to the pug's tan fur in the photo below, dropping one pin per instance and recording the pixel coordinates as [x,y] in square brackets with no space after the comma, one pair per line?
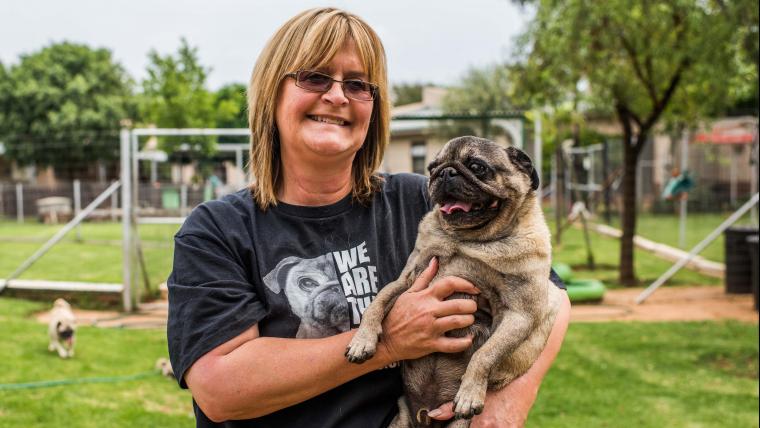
[62,329]
[507,255]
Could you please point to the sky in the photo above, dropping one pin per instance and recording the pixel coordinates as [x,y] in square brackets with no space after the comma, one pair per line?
[425,41]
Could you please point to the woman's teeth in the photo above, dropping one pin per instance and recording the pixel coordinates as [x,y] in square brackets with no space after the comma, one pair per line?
[328,120]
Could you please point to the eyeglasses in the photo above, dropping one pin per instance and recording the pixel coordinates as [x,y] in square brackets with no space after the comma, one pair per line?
[315,81]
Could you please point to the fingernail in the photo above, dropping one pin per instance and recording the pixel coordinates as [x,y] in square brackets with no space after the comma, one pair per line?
[434,413]
[431,261]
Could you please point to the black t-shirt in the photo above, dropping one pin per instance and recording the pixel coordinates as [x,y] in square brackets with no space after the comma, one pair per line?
[305,272]
[298,272]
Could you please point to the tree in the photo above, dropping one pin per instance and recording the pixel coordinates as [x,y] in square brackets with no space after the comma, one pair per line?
[62,106]
[637,58]
[175,96]
[231,109]
[482,92]
[407,93]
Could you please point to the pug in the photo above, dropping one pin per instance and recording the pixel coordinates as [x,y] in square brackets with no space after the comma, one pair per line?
[61,329]
[488,228]
[164,366]
[314,293]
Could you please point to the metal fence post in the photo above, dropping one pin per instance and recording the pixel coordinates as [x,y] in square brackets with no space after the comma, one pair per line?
[78,205]
[183,200]
[126,226]
[19,202]
[114,205]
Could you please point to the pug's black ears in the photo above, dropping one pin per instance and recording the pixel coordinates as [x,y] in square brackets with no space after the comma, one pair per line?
[523,162]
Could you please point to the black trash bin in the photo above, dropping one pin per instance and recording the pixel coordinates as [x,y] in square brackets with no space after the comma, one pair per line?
[738,263]
[752,246]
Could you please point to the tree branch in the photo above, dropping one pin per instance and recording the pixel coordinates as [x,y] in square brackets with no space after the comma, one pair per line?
[632,54]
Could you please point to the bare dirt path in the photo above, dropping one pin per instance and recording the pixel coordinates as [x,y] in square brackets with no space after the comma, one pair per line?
[669,304]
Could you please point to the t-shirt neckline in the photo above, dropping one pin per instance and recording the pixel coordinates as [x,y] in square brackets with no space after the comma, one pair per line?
[316,212]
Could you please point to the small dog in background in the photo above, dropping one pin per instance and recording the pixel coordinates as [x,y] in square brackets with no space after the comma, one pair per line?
[165,367]
[61,329]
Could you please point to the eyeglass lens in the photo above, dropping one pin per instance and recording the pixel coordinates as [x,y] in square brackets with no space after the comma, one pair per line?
[319,82]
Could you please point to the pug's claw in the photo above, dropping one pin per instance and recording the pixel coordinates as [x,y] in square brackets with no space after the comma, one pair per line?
[469,400]
[361,348]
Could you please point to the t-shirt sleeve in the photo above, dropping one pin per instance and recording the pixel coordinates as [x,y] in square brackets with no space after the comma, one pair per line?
[211,298]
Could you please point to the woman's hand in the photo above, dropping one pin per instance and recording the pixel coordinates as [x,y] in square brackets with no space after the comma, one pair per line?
[420,317]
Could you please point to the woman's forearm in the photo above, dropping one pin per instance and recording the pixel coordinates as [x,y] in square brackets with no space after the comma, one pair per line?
[266,374]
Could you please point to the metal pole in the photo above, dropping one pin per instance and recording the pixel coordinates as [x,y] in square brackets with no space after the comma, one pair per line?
[60,234]
[684,205]
[114,206]
[183,200]
[698,248]
[2,205]
[78,206]
[537,150]
[240,168]
[19,202]
[605,181]
[733,176]
[135,143]
[126,219]
[153,171]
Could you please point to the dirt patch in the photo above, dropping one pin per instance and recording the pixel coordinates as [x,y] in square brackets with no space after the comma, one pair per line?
[668,304]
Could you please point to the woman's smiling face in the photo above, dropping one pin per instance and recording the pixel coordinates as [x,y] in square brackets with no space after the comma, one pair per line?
[313,125]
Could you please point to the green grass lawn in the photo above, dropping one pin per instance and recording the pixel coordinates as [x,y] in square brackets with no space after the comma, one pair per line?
[606,253]
[607,375]
[97,258]
[665,228]
[147,402]
[653,375]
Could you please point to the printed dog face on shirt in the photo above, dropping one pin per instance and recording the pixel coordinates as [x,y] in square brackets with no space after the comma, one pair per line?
[314,294]
[328,293]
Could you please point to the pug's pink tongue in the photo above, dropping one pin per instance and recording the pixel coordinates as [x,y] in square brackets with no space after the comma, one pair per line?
[450,207]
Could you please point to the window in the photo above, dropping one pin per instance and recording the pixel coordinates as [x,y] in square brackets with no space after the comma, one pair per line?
[419,154]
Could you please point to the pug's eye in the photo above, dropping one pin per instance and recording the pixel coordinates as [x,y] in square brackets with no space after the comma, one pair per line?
[307,284]
[477,168]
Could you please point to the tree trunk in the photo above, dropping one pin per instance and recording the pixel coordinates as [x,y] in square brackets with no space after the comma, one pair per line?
[628,217]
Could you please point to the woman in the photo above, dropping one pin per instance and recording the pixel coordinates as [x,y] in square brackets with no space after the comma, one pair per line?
[268,283]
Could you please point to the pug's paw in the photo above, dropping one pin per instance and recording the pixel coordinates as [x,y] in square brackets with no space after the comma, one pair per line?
[470,398]
[362,347]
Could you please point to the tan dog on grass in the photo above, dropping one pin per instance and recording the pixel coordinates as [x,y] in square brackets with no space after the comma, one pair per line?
[61,329]
[488,228]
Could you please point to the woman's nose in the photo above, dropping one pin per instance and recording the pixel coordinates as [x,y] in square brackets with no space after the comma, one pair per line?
[335,94]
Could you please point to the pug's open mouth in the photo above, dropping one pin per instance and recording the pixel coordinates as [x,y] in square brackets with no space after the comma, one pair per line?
[453,207]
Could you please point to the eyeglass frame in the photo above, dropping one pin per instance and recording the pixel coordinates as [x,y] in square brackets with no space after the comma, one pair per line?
[373,87]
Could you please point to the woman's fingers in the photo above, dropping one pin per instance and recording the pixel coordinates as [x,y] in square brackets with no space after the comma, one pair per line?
[452,322]
[426,276]
[450,345]
[448,285]
[454,307]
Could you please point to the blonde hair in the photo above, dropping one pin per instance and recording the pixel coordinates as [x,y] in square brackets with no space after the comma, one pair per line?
[310,40]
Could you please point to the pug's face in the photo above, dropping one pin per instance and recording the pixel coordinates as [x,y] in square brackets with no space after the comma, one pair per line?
[313,293]
[474,181]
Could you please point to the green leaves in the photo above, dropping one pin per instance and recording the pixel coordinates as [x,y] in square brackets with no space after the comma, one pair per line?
[62,105]
[174,96]
[643,55]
